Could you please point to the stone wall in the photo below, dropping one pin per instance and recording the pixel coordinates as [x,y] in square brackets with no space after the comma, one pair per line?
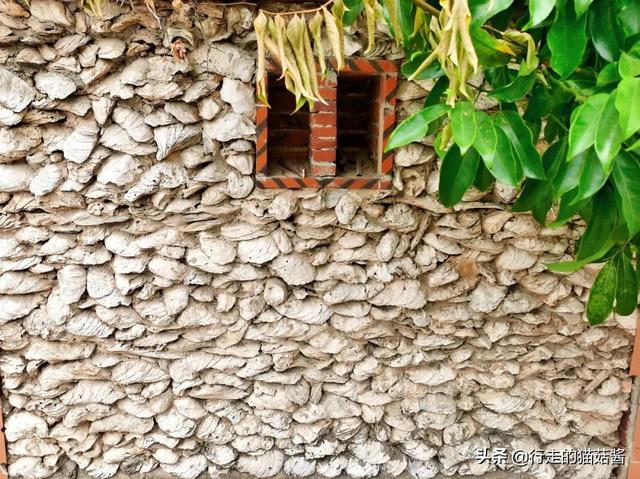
[160,315]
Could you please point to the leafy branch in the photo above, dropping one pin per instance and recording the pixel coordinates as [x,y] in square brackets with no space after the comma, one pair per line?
[574,95]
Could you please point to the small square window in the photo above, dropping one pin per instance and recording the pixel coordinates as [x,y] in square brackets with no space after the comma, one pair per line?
[339,143]
[288,133]
[358,123]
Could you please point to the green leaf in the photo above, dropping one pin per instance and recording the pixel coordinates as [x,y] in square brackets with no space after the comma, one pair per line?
[602,296]
[584,120]
[491,51]
[626,175]
[504,164]
[533,193]
[354,8]
[629,64]
[520,137]
[539,10]
[457,174]
[499,77]
[635,146]
[484,178]
[463,125]
[415,127]
[544,100]
[627,290]
[608,75]
[406,13]
[554,158]
[516,90]
[608,134]
[437,91]
[483,10]
[569,174]
[629,16]
[486,140]
[592,176]
[601,225]
[568,209]
[537,195]
[582,6]
[627,101]
[412,64]
[567,39]
[605,31]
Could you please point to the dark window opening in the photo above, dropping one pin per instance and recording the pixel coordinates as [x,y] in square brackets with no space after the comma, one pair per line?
[288,134]
[358,128]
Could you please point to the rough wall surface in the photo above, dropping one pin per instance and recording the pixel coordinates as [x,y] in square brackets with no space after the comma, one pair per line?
[160,316]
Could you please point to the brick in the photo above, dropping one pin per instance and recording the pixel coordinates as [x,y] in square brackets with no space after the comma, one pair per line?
[324,119]
[388,66]
[323,169]
[328,93]
[329,106]
[318,143]
[323,155]
[325,131]
[3,449]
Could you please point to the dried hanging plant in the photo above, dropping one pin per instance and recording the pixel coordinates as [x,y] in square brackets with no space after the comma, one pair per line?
[451,41]
[295,41]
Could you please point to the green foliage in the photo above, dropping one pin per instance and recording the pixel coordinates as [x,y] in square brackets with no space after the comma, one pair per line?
[565,75]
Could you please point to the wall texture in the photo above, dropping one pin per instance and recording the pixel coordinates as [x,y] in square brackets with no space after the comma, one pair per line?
[160,315]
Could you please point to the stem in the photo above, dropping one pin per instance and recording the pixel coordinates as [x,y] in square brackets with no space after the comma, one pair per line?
[426,7]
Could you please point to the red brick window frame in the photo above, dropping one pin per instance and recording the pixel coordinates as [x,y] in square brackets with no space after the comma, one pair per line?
[310,142]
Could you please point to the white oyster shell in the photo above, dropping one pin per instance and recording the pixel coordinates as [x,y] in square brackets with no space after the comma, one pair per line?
[55,85]
[15,93]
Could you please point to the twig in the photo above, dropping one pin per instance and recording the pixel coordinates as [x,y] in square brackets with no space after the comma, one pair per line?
[426,7]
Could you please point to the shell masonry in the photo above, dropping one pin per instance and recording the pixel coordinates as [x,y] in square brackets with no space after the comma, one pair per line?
[161,317]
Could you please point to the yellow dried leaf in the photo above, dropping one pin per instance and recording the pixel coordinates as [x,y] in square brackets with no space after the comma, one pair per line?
[315,26]
[311,64]
[260,27]
[462,19]
[295,35]
[292,86]
[336,40]
[370,11]
[445,139]
[279,29]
